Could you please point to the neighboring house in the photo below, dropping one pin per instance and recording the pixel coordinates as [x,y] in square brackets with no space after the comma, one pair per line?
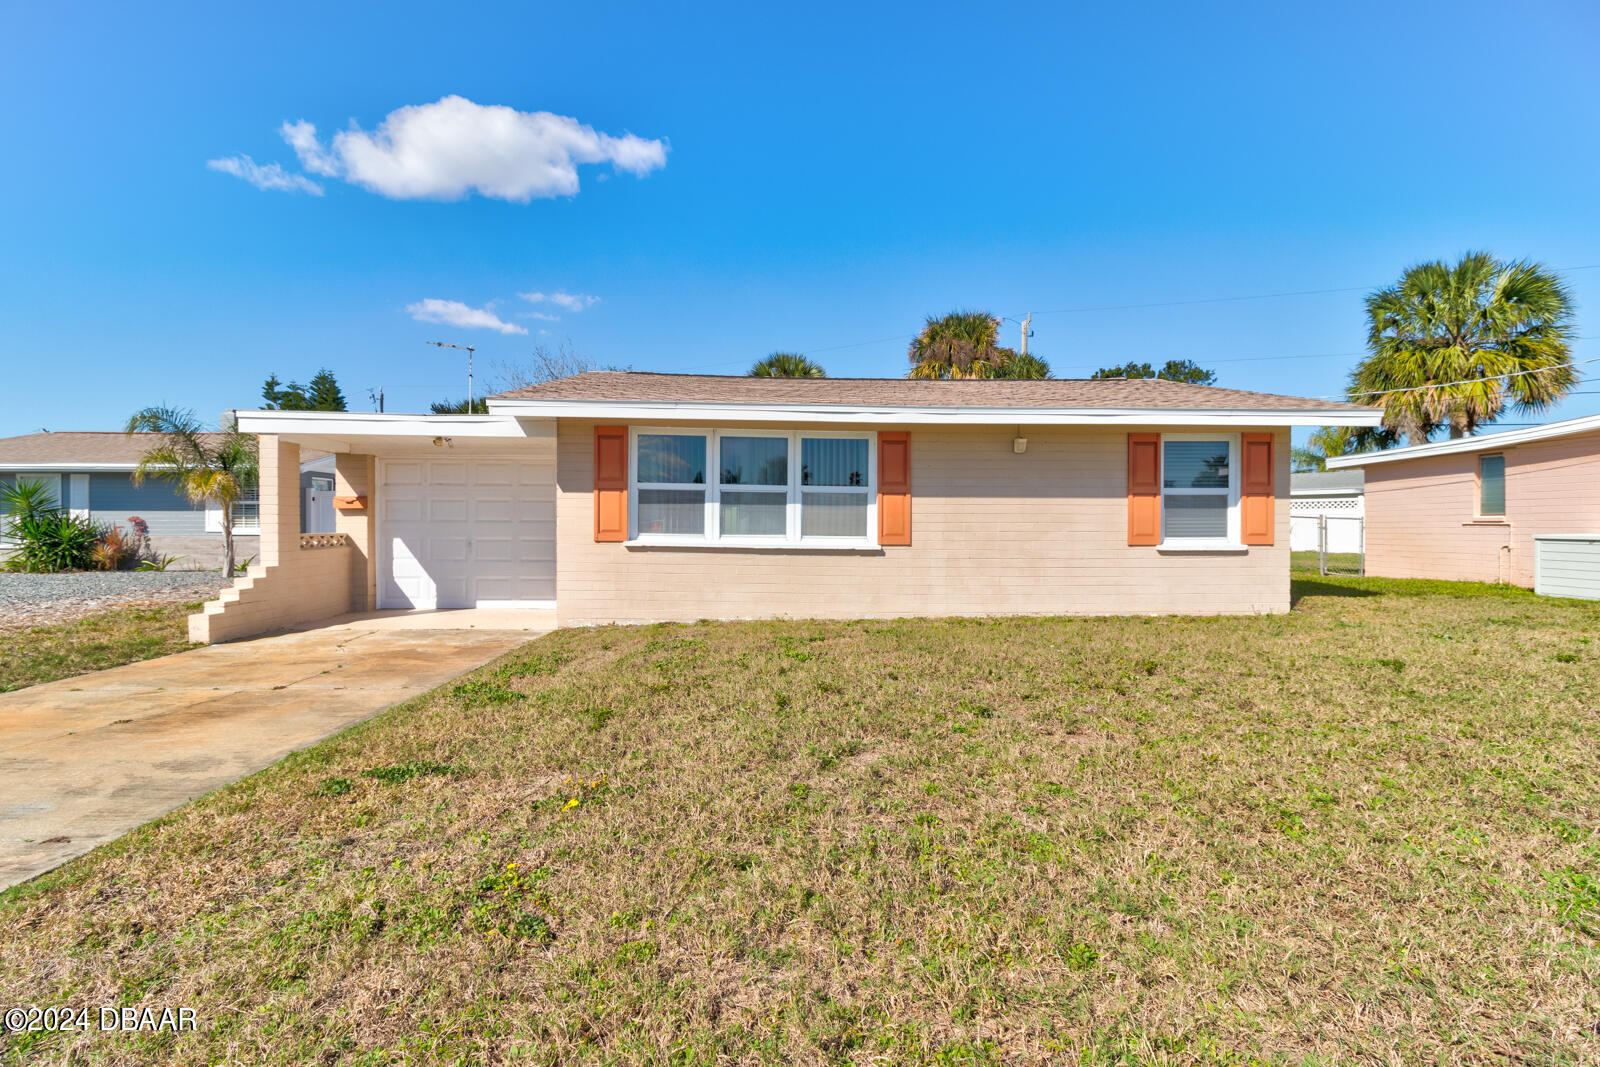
[1326,499]
[316,488]
[619,497]
[91,475]
[1472,508]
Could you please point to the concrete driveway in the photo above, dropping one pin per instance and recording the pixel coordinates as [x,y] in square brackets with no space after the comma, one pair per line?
[86,759]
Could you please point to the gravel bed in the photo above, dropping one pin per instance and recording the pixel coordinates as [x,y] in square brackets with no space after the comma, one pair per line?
[42,599]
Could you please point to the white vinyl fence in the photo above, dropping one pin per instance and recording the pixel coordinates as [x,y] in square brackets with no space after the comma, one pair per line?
[1331,526]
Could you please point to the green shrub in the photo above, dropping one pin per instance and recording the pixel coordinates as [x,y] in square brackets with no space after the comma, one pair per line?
[46,538]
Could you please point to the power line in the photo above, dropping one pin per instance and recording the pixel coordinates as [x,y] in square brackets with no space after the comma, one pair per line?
[1465,381]
[1152,304]
[1119,307]
[1254,296]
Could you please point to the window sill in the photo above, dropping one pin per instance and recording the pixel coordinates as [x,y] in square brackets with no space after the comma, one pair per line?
[1486,522]
[763,545]
[1202,546]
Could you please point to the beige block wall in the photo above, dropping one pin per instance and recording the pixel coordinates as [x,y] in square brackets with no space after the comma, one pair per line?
[357,475]
[290,585]
[993,533]
[1422,517]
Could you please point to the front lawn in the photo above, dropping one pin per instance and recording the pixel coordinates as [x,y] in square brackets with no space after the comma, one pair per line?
[105,639]
[1365,831]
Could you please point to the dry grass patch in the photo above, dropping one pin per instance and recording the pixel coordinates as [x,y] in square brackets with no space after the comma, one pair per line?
[1365,831]
[95,642]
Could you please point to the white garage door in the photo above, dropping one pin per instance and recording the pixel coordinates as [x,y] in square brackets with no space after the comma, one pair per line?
[464,533]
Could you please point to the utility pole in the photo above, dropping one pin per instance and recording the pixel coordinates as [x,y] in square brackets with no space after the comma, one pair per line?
[1025,332]
[468,349]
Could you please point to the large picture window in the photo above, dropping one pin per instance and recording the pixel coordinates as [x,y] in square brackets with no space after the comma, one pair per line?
[753,487]
[1199,490]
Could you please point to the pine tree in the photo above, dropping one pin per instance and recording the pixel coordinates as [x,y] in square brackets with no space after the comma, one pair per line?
[279,397]
[324,394]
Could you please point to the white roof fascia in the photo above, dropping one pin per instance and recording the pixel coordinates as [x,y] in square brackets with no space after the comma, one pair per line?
[65,468]
[373,424]
[1481,443]
[637,411]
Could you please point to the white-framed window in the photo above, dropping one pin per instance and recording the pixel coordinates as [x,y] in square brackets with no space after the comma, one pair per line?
[246,513]
[752,488]
[1199,490]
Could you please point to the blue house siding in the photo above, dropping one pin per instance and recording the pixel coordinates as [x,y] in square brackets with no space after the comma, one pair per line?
[114,497]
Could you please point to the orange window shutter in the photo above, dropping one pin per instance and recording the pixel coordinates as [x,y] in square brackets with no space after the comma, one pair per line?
[1144,489]
[610,483]
[894,488]
[1257,513]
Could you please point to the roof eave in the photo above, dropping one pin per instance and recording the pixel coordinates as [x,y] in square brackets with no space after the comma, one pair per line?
[375,424]
[641,410]
[10,466]
[1485,443]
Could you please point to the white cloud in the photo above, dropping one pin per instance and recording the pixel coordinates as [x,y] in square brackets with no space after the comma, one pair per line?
[455,313]
[302,137]
[570,301]
[271,176]
[448,149]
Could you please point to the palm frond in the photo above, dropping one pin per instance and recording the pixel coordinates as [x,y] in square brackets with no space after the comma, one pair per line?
[1452,345]
[787,365]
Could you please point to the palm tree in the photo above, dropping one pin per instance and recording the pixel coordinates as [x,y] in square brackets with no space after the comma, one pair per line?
[962,344]
[480,406]
[1332,441]
[1014,364]
[787,365]
[1463,341]
[208,468]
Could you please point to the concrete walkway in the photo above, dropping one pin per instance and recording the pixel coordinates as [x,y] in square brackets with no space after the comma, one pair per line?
[86,759]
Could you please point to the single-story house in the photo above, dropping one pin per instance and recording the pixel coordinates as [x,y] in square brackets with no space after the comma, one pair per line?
[628,497]
[90,474]
[1326,499]
[1477,508]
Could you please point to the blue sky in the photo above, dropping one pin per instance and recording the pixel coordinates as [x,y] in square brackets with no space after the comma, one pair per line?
[814,178]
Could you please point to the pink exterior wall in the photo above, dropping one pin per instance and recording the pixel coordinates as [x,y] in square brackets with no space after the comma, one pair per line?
[993,533]
[1422,517]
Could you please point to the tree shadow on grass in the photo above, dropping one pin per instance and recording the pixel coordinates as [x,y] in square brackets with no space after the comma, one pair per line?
[1304,587]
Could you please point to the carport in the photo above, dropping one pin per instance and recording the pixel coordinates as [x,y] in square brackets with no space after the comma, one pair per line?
[432,512]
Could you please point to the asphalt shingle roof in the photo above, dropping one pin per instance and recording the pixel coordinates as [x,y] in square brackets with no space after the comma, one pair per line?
[1326,481]
[645,387]
[75,446]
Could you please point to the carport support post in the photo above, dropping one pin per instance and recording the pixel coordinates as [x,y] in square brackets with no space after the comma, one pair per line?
[356,474]
[280,500]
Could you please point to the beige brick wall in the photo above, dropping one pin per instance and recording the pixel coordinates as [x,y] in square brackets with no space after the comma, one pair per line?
[1421,513]
[289,585]
[356,475]
[993,533]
